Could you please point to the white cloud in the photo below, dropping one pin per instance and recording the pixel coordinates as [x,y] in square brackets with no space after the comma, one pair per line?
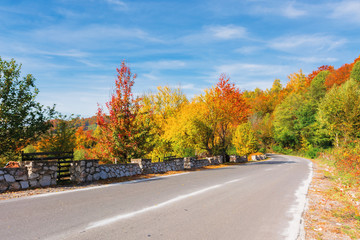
[248,49]
[313,59]
[346,10]
[120,4]
[291,12]
[227,32]
[91,34]
[311,43]
[288,10]
[216,33]
[161,65]
[248,69]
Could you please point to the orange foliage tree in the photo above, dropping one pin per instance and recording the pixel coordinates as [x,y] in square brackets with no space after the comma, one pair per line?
[340,75]
[229,107]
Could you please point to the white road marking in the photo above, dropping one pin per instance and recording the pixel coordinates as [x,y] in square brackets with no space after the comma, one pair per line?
[160,205]
[296,210]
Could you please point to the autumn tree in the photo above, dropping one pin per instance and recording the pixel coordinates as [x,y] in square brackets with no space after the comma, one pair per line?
[192,130]
[60,137]
[124,130]
[22,118]
[338,76]
[244,139]
[229,108]
[163,105]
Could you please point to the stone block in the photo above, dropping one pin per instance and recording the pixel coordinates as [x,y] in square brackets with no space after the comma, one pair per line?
[3,186]
[14,186]
[2,178]
[33,175]
[9,178]
[45,181]
[53,168]
[34,183]
[103,175]
[24,184]
[89,178]
[1,172]
[96,176]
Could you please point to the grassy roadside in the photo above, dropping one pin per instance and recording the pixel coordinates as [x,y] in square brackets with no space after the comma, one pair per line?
[334,203]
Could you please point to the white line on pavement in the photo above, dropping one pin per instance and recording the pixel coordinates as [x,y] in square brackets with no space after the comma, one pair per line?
[160,205]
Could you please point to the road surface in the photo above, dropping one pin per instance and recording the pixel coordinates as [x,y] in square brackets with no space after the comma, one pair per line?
[262,200]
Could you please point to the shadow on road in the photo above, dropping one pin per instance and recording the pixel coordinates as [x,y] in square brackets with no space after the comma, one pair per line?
[274,162]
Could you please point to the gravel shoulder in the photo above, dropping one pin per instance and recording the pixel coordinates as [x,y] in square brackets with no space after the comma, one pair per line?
[332,207]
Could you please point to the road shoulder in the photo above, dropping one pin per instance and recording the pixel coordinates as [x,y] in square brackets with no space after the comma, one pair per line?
[329,212]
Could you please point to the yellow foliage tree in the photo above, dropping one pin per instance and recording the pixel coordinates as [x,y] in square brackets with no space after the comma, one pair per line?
[244,139]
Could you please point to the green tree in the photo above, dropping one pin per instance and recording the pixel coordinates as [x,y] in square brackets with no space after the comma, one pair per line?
[22,118]
[286,131]
[339,111]
[317,88]
[355,72]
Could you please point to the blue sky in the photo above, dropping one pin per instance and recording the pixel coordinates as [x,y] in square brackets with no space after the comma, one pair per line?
[73,47]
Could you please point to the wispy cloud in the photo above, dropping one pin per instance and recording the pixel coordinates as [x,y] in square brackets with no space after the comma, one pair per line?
[226,32]
[211,33]
[312,43]
[291,12]
[248,49]
[313,59]
[119,4]
[281,8]
[346,10]
[161,65]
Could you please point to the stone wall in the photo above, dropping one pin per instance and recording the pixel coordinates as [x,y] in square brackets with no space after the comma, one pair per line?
[191,162]
[258,157]
[30,174]
[90,170]
[44,173]
[119,170]
[159,167]
[85,171]
[238,159]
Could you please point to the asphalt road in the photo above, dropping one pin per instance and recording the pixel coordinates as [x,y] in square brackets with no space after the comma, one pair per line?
[262,200]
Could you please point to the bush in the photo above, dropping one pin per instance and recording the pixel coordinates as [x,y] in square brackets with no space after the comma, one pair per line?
[279,149]
[312,152]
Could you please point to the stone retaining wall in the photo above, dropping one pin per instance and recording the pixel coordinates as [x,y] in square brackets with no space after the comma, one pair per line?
[191,162]
[119,170]
[30,174]
[159,167]
[90,170]
[238,159]
[258,157]
[44,173]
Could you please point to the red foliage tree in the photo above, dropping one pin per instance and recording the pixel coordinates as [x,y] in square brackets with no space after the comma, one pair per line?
[340,75]
[122,136]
